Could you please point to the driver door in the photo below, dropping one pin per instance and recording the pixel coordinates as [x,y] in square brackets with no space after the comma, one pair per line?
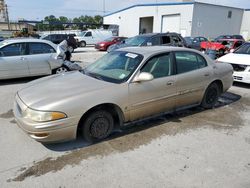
[155,96]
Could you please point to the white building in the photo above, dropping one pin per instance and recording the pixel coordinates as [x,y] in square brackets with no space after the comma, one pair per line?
[187,18]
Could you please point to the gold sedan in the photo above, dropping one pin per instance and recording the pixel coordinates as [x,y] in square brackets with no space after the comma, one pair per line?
[123,86]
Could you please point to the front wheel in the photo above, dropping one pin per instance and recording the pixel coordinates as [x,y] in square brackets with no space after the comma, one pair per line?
[97,126]
[211,96]
[60,70]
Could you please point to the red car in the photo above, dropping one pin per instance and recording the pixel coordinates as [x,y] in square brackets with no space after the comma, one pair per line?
[222,46]
[108,42]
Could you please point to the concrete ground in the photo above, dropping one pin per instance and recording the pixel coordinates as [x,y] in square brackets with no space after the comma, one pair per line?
[192,148]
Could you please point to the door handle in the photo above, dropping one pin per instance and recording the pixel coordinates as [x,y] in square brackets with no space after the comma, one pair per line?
[22,58]
[170,83]
[206,74]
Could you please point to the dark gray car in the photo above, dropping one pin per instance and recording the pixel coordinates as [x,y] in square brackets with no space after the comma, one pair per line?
[151,39]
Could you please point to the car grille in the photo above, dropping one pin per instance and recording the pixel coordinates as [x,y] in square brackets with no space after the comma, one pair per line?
[239,68]
[237,78]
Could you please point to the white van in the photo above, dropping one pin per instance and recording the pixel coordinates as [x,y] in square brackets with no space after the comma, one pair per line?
[91,37]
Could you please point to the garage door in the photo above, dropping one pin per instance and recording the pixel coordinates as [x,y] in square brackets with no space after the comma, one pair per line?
[171,23]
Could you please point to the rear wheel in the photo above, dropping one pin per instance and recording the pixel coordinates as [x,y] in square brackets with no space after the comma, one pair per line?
[60,70]
[82,43]
[211,96]
[97,126]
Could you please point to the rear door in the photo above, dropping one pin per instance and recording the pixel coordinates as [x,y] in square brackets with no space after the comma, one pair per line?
[192,78]
[13,61]
[39,58]
[158,95]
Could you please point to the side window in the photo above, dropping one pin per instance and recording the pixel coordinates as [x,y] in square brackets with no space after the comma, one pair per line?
[159,66]
[88,34]
[13,50]
[156,41]
[176,40]
[188,61]
[196,39]
[165,39]
[203,39]
[40,48]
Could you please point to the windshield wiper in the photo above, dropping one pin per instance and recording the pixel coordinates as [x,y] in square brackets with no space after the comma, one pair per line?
[93,75]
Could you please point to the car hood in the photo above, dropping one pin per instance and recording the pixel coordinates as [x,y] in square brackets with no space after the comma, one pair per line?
[233,58]
[55,88]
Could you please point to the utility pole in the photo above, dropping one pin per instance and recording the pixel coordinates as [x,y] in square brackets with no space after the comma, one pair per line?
[7,16]
[104,8]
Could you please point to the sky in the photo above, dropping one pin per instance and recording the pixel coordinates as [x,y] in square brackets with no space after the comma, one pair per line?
[37,10]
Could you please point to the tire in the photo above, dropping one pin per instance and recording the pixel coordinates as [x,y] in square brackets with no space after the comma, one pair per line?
[83,44]
[211,96]
[60,70]
[97,126]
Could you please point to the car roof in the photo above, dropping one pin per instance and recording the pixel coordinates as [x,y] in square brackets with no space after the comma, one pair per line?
[151,50]
[232,39]
[18,40]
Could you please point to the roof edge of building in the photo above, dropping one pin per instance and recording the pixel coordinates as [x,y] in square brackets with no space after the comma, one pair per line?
[151,4]
[169,4]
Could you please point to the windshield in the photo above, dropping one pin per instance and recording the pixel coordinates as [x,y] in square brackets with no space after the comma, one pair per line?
[244,49]
[136,41]
[82,34]
[115,67]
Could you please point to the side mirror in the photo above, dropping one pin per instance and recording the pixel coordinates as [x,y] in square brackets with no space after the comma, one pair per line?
[143,77]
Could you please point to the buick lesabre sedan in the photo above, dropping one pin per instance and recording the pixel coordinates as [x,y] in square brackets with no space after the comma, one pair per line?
[123,86]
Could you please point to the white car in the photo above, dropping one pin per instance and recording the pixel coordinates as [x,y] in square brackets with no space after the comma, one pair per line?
[28,57]
[240,60]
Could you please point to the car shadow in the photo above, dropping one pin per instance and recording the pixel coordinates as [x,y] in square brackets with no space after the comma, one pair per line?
[243,85]
[225,99]
[18,80]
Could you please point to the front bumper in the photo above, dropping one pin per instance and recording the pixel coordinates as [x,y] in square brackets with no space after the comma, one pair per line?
[99,47]
[54,131]
[243,77]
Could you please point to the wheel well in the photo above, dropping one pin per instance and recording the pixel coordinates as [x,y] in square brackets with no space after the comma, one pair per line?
[111,108]
[220,84]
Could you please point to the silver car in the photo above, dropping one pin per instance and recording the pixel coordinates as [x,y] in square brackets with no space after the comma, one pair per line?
[28,57]
[123,86]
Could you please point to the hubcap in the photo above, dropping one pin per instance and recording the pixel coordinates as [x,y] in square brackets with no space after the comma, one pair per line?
[99,128]
[61,70]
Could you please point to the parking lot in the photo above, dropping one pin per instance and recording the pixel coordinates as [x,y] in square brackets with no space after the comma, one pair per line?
[191,148]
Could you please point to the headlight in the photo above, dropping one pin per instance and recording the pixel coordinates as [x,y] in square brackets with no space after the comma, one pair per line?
[40,116]
[102,44]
